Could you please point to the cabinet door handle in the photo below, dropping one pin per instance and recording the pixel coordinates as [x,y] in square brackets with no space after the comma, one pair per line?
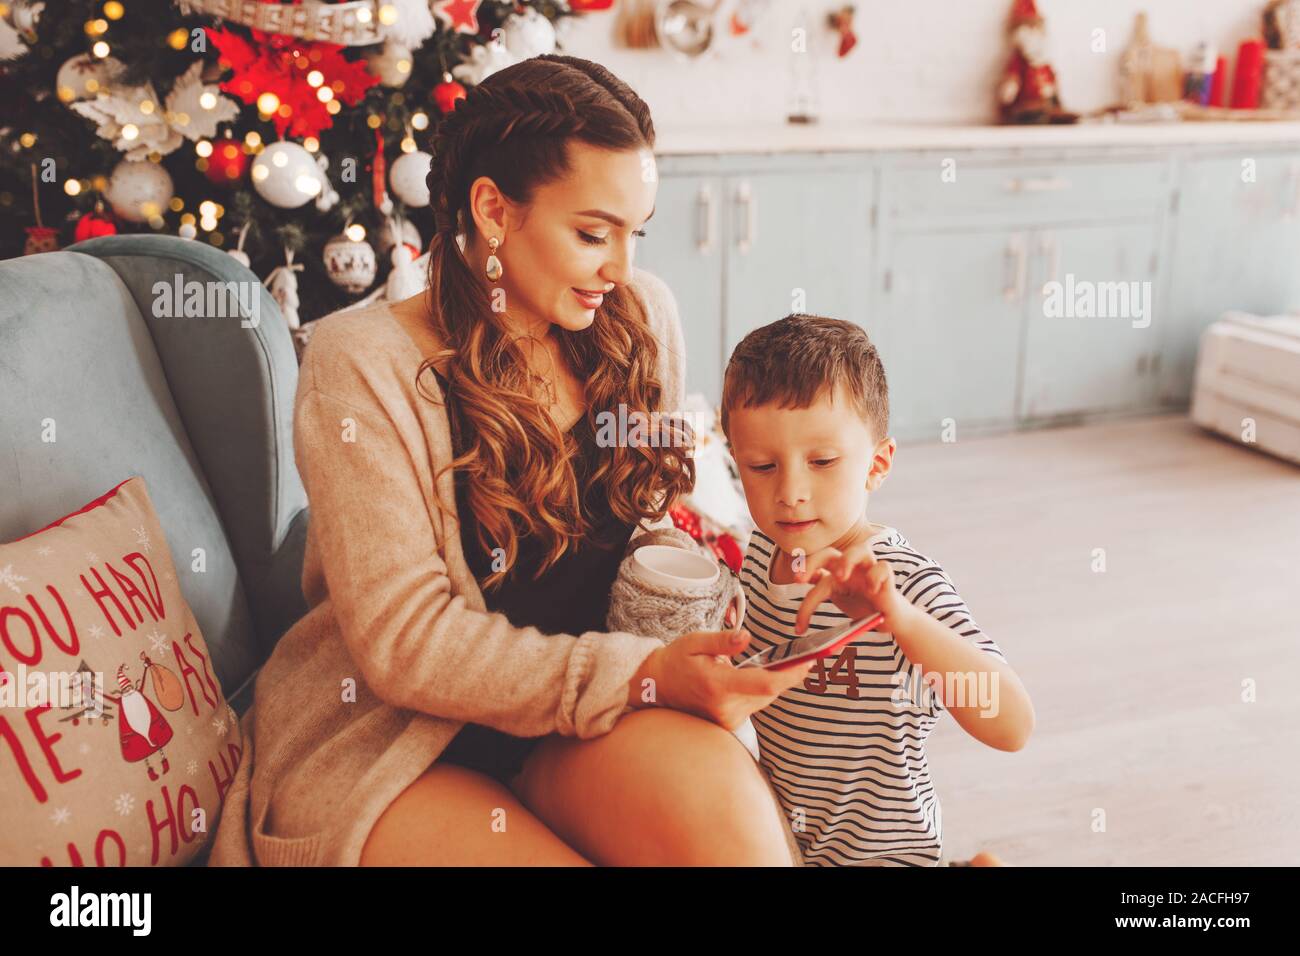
[704,203]
[1015,259]
[746,201]
[1037,184]
[1050,245]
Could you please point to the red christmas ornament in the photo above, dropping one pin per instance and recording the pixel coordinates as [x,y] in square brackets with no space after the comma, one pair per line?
[93,225]
[587,6]
[228,162]
[447,94]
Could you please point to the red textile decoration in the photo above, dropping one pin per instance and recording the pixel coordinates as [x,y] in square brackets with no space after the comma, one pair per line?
[724,546]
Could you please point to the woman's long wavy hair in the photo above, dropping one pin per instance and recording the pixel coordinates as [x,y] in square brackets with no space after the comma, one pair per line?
[515,128]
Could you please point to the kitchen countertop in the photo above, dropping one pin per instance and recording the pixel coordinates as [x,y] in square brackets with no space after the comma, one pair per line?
[841,136]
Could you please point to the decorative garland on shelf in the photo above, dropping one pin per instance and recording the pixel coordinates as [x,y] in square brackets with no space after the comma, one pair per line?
[355,23]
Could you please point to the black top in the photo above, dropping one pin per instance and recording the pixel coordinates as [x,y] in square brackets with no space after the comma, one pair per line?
[571,597]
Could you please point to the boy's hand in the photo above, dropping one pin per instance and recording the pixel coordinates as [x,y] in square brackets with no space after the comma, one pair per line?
[856,583]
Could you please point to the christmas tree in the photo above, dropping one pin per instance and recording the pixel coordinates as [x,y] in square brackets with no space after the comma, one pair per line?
[291,135]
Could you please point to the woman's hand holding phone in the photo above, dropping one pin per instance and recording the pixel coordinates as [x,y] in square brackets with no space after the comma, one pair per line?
[687,675]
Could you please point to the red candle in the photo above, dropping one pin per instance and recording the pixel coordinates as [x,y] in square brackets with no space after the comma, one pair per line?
[1250,71]
[1219,86]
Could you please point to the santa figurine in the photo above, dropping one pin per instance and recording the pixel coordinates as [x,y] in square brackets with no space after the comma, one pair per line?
[1028,92]
[141,727]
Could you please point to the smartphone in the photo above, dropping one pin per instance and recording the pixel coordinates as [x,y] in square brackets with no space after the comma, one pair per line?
[812,645]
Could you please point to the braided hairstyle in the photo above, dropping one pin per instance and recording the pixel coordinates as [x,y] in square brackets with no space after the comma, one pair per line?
[515,128]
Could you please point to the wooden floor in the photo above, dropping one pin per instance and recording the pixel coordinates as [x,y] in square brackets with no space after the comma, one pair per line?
[1137,673]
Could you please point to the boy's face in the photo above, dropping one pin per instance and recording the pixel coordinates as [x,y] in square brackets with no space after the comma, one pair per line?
[813,465]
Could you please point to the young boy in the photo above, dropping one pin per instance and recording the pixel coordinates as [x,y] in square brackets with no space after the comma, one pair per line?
[805,408]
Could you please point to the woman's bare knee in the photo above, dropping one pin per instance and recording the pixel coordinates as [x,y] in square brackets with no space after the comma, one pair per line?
[661,788]
[453,816]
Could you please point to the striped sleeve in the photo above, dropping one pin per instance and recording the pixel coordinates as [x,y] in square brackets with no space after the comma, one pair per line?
[929,587]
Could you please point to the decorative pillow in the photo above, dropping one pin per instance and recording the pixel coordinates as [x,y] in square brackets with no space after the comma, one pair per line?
[116,743]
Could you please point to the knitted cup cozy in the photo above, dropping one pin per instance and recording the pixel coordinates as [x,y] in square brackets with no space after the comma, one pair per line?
[668,613]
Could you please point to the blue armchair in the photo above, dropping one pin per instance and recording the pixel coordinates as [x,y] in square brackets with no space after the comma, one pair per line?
[199,405]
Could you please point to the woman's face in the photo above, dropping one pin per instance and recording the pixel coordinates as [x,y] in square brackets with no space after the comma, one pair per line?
[575,241]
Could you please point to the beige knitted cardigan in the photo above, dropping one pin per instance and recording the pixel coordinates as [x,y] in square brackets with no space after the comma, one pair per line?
[398,651]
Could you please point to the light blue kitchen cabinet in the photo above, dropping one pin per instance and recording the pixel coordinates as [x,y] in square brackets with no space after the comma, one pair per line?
[1090,330]
[951,305]
[797,243]
[683,247]
[1237,246]
[947,274]
[743,250]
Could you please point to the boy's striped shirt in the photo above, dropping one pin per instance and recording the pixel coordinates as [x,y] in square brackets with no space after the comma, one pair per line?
[851,773]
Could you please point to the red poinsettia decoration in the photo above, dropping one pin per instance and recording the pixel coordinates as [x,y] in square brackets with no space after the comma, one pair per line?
[274,63]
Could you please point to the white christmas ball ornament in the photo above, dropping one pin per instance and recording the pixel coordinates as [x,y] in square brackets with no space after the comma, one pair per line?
[409,177]
[286,175]
[529,34]
[351,264]
[138,190]
[83,76]
[391,62]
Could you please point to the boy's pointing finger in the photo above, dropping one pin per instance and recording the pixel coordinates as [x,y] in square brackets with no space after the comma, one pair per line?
[821,591]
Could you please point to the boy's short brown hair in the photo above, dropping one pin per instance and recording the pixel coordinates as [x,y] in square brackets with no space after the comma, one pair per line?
[793,360]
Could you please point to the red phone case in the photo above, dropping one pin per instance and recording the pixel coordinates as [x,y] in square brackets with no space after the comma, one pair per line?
[870,625]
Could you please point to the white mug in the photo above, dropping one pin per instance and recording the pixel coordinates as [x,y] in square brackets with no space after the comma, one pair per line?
[668,566]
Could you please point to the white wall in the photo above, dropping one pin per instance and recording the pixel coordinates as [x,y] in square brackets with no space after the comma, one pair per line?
[918,60]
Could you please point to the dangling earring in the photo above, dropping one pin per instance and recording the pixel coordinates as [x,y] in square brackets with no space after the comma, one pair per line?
[493,267]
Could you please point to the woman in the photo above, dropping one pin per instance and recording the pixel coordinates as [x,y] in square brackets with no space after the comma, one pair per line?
[450,697]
